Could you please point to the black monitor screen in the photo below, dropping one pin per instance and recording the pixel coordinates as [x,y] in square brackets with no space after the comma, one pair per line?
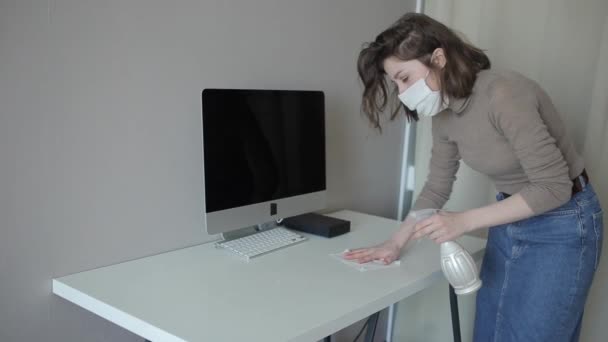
[261,145]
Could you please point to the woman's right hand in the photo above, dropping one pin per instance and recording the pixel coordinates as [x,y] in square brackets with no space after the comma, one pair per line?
[386,252]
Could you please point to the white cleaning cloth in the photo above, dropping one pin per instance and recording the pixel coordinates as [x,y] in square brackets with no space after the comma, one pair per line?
[368,266]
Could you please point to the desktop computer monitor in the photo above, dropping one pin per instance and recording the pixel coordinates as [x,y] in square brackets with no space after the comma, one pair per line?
[264,156]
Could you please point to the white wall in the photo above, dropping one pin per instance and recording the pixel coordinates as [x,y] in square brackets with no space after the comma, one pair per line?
[100,130]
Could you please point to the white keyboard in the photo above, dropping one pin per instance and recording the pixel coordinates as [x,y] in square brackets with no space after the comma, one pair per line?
[263,242]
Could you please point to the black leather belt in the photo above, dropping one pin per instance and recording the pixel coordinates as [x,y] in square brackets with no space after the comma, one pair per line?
[578,183]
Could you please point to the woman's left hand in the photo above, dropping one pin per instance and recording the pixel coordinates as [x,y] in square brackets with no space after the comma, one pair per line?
[443,226]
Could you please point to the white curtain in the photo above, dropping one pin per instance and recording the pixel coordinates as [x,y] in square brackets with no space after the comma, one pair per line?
[563,45]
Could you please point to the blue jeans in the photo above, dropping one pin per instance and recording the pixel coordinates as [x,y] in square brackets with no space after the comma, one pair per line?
[537,273]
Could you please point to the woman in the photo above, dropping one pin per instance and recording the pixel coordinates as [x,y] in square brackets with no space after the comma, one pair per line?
[545,241]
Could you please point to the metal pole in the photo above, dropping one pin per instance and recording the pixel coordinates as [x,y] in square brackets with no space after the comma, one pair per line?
[455,316]
[402,189]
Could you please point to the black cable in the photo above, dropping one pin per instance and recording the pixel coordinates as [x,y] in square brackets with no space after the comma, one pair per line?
[361,331]
[375,325]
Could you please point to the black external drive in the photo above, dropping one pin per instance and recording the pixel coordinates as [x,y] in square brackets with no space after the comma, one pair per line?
[317,224]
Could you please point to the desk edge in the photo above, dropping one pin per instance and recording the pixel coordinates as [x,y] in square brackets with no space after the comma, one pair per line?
[118,317]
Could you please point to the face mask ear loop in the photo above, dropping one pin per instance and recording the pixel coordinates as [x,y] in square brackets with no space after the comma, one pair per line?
[428,72]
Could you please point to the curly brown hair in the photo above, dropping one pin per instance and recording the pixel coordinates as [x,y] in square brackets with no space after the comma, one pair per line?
[416,36]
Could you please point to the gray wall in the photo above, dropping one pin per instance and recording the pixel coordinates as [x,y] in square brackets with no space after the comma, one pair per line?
[100,130]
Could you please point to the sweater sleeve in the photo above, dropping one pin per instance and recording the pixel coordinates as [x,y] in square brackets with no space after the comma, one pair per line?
[515,113]
[445,161]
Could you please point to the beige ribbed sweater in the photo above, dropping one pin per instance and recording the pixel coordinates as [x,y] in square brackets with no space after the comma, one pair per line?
[509,130]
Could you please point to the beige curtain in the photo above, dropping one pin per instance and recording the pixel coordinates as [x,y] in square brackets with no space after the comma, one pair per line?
[563,45]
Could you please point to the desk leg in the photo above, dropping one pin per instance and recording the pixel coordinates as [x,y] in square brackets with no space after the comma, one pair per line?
[371,327]
[455,316]
[390,326]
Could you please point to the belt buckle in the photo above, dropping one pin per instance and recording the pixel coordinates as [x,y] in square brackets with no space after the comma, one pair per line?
[579,184]
[582,180]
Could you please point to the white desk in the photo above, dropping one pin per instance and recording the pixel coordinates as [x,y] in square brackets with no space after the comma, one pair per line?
[298,293]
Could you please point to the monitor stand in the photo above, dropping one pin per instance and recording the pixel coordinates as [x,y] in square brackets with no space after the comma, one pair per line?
[250,230]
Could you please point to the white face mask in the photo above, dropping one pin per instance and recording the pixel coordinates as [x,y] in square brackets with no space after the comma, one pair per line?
[422,99]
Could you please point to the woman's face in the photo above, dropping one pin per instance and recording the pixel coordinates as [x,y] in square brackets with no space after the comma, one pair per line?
[405,73]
